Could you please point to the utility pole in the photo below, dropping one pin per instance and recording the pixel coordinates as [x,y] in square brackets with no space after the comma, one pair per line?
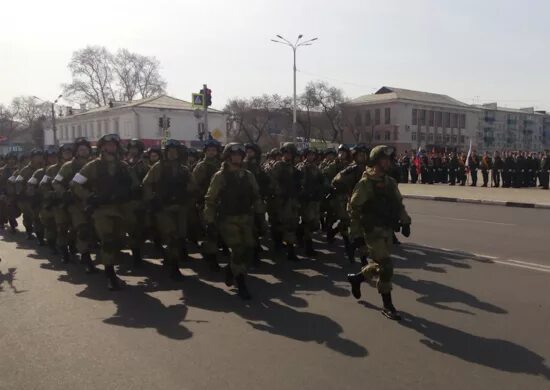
[294,98]
[54,128]
[165,134]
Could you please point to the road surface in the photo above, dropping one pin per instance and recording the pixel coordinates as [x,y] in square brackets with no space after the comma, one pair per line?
[472,283]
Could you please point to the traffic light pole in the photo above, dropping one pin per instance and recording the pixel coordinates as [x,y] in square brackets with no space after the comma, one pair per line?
[205,88]
[164,129]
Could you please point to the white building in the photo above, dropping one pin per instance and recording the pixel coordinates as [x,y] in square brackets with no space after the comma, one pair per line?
[502,128]
[409,120]
[140,119]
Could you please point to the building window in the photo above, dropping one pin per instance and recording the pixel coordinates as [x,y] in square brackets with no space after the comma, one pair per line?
[430,137]
[367,118]
[422,136]
[462,121]
[413,136]
[454,138]
[414,116]
[431,118]
[387,116]
[377,116]
[438,118]
[358,121]
[462,139]
[447,119]
[454,121]
[396,134]
[423,117]
[387,136]
[377,136]
[447,138]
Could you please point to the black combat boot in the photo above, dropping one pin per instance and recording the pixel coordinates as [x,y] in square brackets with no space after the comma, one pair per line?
[355,281]
[331,233]
[30,236]
[184,252]
[86,260]
[40,238]
[65,255]
[136,257]
[256,261]
[277,239]
[212,260]
[396,240]
[229,279]
[350,250]
[224,249]
[113,282]
[53,247]
[242,289]
[389,310]
[291,253]
[175,273]
[364,260]
[309,251]
[13,226]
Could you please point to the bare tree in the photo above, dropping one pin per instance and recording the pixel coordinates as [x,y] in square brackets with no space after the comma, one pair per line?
[126,74]
[92,74]
[8,122]
[27,110]
[149,80]
[329,99]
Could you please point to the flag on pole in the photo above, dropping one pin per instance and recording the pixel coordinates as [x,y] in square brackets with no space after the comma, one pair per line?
[469,154]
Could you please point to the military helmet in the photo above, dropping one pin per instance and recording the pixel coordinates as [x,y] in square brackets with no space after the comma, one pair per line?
[343,147]
[193,152]
[379,152]
[63,147]
[233,147]
[274,152]
[172,143]
[289,147]
[309,150]
[329,151]
[52,151]
[358,149]
[37,152]
[82,141]
[212,143]
[136,143]
[108,138]
[154,149]
[255,147]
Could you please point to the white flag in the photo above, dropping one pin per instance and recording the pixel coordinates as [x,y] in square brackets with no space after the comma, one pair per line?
[469,154]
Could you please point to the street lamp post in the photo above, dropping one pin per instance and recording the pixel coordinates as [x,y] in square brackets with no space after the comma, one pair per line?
[294,47]
[54,128]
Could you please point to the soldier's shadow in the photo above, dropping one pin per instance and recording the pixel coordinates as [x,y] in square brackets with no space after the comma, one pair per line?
[267,315]
[9,279]
[494,353]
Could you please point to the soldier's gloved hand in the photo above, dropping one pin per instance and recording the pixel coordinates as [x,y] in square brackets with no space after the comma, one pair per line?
[406,230]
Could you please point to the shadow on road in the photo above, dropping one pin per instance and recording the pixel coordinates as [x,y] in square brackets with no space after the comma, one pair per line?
[439,295]
[9,278]
[494,353]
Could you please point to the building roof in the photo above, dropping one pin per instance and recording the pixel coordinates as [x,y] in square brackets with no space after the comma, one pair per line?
[155,102]
[385,94]
[495,107]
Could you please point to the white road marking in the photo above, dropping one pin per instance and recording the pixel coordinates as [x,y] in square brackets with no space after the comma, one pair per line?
[464,219]
[494,259]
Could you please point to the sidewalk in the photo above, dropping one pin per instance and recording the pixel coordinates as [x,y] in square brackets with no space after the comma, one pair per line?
[510,197]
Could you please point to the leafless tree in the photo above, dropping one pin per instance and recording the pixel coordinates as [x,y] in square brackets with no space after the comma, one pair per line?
[27,110]
[150,82]
[8,122]
[329,99]
[92,74]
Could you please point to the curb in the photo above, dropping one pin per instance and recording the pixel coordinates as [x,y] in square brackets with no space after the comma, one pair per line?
[480,201]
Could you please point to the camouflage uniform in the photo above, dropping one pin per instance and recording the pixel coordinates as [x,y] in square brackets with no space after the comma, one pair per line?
[49,204]
[25,203]
[376,209]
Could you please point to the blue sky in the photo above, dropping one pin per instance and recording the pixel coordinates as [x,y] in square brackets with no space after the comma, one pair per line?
[475,51]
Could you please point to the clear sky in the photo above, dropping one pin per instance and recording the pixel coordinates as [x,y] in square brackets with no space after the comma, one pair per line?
[473,50]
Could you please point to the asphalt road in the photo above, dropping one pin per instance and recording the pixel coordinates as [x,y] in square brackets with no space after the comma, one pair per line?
[472,283]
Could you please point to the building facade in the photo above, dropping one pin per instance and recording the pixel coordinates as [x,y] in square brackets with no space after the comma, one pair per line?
[502,128]
[140,119]
[409,120]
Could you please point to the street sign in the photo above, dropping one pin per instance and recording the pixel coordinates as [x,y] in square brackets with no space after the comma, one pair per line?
[197,99]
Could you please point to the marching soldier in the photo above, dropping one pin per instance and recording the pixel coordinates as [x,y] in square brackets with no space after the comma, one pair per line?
[336,205]
[167,187]
[24,202]
[311,192]
[376,209]
[233,206]
[73,225]
[8,208]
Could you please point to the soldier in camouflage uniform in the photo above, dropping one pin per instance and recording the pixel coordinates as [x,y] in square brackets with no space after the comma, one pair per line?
[343,184]
[336,205]
[233,206]
[24,202]
[46,228]
[50,198]
[135,214]
[286,182]
[312,190]
[168,187]
[8,210]
[73,225]
[376,209]
[202,174]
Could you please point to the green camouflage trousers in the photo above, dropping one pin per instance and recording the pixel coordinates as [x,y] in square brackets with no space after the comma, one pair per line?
[310,215]
[238,234]
[379,243]
[171,224]
[109,226]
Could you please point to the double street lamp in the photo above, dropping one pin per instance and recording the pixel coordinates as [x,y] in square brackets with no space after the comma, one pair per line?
[294,46]
[54,128]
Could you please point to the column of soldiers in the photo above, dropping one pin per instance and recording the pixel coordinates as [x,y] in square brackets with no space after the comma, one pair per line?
[79,201]
[502,169]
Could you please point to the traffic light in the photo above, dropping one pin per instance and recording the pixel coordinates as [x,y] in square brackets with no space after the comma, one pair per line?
[168,123]
[208,97]
[160,123]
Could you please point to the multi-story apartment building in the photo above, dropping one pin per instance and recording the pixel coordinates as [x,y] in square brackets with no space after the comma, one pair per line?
[409,120]
[502,128]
